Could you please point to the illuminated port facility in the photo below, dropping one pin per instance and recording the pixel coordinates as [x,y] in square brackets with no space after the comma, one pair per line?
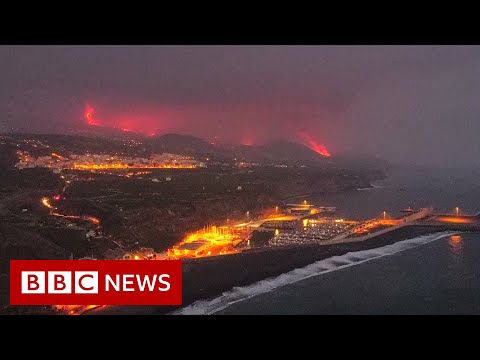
[297,224]
[220,240]
[210,241]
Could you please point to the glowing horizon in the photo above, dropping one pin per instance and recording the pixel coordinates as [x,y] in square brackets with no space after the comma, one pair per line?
[131,126]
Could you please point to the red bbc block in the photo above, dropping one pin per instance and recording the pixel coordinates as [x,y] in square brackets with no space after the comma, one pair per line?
[100,282]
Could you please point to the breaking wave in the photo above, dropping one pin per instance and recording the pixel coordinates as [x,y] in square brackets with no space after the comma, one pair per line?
[373,187]
[237,294]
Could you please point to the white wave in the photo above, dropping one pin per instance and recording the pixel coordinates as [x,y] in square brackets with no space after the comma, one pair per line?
[237,294]
[373,187]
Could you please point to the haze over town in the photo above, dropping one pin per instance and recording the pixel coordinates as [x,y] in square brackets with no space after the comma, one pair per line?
[406,104]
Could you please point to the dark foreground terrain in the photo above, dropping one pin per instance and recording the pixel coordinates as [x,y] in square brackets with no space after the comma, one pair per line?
[206,278]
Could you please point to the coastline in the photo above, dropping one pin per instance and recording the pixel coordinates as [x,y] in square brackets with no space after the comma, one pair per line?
[371,186]
[206,278]
[290,198]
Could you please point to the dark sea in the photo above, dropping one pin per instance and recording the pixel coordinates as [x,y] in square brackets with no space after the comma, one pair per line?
[442,189]
[433,274]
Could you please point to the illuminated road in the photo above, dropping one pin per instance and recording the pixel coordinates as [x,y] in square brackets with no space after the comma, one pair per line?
[46,202]
[125,166]
[71,309]
[456,219]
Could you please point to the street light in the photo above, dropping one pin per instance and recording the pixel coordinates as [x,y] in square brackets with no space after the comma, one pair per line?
[276,209]
[457,209]
[384,215]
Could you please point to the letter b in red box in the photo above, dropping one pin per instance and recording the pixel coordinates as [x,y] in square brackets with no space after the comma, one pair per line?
[102,282]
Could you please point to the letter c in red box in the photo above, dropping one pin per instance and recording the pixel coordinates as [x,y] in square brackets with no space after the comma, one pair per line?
[101,282]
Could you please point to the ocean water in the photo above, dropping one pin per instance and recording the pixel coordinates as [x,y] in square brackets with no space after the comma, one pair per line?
[442,189]
[432,274]
[438,277]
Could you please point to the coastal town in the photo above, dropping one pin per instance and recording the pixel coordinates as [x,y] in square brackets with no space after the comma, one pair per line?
[239,180]
[58,162]
[129,204]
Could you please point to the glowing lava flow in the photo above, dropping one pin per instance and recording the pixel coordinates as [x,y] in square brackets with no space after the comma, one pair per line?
[71,309]
[312,144]
[46,202]
[89,115]
[75,309]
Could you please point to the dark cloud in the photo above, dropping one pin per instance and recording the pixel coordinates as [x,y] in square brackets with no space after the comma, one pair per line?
[410,104]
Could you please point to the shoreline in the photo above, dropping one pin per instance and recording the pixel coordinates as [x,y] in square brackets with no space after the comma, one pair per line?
[371,187]
[290,198]
[209,277]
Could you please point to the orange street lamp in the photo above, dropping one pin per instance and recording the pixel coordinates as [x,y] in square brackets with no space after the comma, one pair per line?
[457,209]
[384,215]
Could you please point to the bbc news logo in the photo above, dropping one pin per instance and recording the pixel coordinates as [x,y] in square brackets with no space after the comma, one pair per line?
[59,282]
[101,282]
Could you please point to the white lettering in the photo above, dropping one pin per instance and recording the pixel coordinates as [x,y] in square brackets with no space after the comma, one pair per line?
[127,282]
[166,283]
[146,281]
[115,284]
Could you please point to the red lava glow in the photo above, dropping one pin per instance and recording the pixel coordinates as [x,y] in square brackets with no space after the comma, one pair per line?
[312,144]
[89,115]
[248,139]
[132,125]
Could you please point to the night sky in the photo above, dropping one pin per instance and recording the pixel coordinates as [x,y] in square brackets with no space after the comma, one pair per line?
[407,104]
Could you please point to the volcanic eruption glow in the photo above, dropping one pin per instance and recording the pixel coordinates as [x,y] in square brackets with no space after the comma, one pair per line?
[153,123]
[312,144]
[89,115]
[122,123]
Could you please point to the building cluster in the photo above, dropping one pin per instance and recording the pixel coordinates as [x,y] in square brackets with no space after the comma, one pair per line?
[313,231]
[101,161]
